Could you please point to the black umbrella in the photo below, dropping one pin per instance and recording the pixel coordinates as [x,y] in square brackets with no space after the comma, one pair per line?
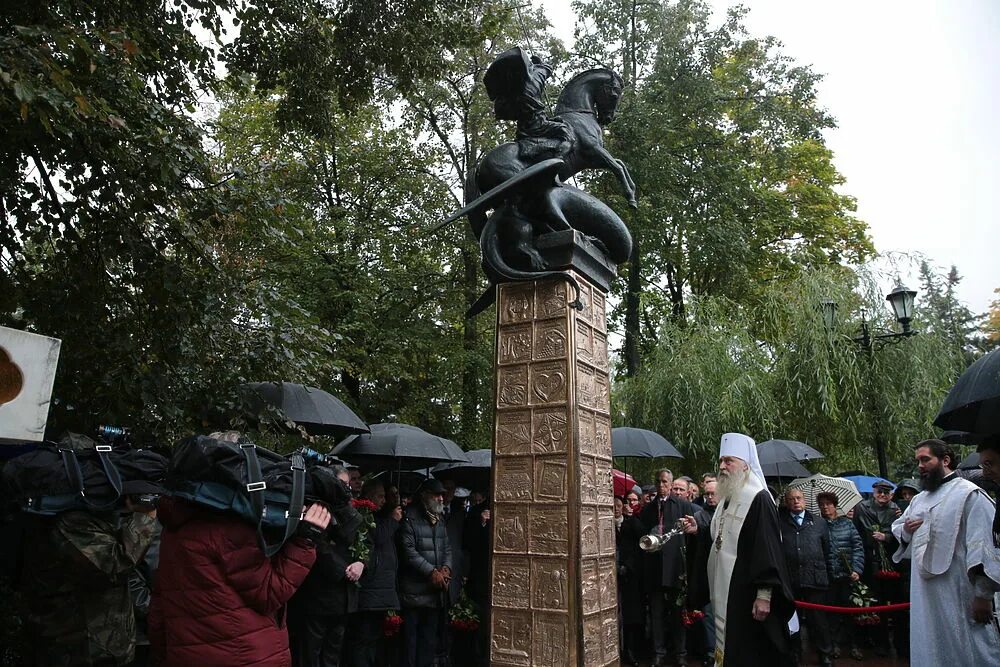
[640,443]
[791,469]
[399,446]
[962,437]
[317,411]
[474,474]
[785,451]
[973,404]
[407,481]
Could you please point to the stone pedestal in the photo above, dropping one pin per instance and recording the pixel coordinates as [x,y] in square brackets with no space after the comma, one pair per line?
[554,588]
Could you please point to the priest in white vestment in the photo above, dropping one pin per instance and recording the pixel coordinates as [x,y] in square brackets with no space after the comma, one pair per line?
[946,533]
[748,581]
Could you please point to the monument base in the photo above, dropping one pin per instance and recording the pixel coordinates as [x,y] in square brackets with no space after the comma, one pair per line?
[553,575]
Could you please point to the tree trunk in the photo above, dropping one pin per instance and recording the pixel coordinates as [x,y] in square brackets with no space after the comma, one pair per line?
[632,319]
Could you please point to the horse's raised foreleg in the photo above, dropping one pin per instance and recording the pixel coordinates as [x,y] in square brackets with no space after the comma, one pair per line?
[605,160]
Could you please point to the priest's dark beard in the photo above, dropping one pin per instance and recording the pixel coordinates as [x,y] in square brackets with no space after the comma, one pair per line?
[730,483]
[932,479]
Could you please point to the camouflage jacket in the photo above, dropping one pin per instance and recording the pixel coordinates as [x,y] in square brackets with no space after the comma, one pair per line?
[75,585]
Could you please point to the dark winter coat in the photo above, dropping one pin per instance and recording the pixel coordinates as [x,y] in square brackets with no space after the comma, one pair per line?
[870,517]
[476,540]
[327,591]
[630,567]
[217,599]
[807,550]
[76,568]
[663,569]
[844,539]
[423,548]
[378,583]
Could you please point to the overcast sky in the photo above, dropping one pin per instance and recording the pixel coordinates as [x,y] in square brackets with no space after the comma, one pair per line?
[915,88]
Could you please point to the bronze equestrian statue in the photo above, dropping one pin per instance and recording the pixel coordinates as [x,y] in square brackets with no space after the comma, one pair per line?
[524,181]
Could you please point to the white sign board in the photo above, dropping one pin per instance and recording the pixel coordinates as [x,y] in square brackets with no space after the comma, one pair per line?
[27,370]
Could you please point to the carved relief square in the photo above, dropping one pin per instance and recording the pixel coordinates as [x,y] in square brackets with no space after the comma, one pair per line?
[550,640]
[585,342]
[512,386]
[511,583]
[609,627]
[606,531]
[590,586]
[549,584]
[550,431]
[550,297]
[600,356]
[549,383]
[588,480]
[585,386]
[602,436]
[516,303]
[599,315]
[510,639]
[589,541]
[513,432]
[511,528]
[550,340]
[608,583]
[513,478]
[605,488]
[588,432]
[593,641]
[514,344]
[602,392]
[551,480]
[549,530]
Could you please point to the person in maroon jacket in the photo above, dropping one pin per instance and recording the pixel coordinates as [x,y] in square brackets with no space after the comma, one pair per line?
[218,600]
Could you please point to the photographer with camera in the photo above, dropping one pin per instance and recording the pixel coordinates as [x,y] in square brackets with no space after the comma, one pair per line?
[77,569]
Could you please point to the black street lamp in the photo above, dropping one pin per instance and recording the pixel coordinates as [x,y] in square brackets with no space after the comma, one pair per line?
[901,300]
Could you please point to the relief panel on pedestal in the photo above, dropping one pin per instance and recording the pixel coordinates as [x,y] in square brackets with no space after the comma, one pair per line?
[516,303]
[514,344]
[511,582]
[513,432]
[511,528]
[513,478]
[550,584]
[550,640]
[549,383]
[589,540]
[550,340]
[550,431]
[551,480]
[549,530]
[512,386]
[550,299]
[510,637]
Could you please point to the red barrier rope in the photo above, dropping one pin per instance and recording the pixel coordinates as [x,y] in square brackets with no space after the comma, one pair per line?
[853,610]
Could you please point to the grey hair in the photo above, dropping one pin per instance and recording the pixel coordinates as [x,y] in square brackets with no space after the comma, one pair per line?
[659,472]
[338,470]
[226,436]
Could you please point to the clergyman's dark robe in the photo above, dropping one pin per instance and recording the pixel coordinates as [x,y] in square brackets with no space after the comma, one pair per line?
[736,572]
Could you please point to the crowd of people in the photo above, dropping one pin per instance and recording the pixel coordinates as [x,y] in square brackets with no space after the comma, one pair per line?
[375,577]
[752,555]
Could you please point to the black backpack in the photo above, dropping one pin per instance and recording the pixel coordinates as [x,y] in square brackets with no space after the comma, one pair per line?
[256,484]
[79,474]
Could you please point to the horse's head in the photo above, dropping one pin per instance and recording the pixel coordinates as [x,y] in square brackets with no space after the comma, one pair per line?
[596,90]
[607,96]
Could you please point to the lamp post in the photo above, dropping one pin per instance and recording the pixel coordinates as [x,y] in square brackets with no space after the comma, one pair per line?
[870,339]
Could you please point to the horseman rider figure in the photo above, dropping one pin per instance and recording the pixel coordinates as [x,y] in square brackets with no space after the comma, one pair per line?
[516,85]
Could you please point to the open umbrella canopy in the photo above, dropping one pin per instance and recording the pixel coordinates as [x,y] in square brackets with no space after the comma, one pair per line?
[788,469]
[474,474]
[973,404]
[622,483]
[970,462]
[845,490]
[407,481]
[785,451]
[864,483]
[317,411]
[398,446]
[640,443]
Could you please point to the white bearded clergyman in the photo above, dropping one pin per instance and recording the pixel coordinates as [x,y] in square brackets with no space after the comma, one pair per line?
[945,532]
[748,582]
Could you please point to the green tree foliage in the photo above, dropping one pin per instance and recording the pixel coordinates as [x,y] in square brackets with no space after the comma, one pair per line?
[119,232]
[723,136]
[946,314]
[773,370]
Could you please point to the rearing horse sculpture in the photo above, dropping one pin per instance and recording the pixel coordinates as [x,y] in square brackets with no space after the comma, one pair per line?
[524,181]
